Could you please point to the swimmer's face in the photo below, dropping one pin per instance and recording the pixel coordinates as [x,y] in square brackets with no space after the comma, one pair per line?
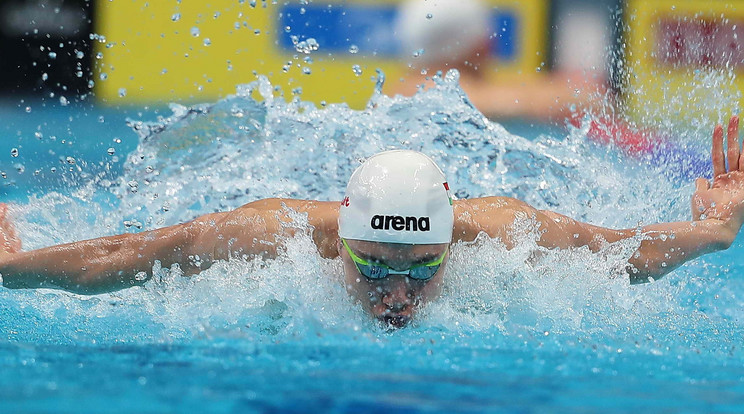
[395,298]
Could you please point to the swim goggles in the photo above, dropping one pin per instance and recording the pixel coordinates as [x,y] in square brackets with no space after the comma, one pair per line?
[424,271]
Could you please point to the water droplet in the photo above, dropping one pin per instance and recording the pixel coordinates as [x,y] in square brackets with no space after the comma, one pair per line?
[122,92]
[207,41]
[307,46]
[195,32]
[52,55]
[357,70]
[14,152]
[111,151]
[99,55]
[63,101]
[79,54]
[429,15]
[44,76]
[287,29]
[302,47]
[353,49]
[103,76]
[28,109]
[176,17]
[257,32]
[306,70]
[70,160]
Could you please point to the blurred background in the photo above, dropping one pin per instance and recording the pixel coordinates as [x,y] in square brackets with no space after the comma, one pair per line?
[76,72]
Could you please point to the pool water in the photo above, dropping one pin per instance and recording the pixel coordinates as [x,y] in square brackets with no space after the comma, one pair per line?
[564,334]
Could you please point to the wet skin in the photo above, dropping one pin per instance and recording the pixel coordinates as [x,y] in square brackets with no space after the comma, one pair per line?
[394,299]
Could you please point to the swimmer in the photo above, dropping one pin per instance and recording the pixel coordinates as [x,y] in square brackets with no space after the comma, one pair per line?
[456,34]
[393,232]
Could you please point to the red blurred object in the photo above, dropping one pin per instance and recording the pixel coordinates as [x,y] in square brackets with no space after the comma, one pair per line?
[612,131]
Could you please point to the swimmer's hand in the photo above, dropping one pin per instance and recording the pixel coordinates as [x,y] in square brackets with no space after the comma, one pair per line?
[9,241]
[723,200]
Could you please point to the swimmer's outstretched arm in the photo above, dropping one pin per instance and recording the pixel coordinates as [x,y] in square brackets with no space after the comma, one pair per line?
[717,216]
[116,262]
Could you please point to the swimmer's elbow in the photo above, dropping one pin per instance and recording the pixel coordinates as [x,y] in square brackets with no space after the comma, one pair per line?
[646,272]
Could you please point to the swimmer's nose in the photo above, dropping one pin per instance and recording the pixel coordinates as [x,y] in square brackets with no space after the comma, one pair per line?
[397,298]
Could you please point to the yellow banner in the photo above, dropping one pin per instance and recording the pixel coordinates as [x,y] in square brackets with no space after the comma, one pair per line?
[194,51]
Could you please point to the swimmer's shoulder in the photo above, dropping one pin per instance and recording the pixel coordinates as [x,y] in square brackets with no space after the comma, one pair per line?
[322,217]
[491,215]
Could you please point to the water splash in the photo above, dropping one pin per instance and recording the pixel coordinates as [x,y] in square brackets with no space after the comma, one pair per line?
[254,145]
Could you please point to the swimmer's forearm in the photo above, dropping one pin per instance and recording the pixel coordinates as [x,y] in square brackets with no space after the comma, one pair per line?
[669,245]
[103,264]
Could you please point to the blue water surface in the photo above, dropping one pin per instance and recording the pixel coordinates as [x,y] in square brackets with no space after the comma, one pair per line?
[564,334]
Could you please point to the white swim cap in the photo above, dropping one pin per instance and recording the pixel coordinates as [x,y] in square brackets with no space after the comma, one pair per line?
[444,29]
[397,197]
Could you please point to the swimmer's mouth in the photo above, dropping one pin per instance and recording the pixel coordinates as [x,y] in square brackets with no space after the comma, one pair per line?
[392,321]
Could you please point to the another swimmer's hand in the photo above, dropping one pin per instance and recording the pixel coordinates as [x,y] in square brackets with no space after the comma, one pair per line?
[723,200]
